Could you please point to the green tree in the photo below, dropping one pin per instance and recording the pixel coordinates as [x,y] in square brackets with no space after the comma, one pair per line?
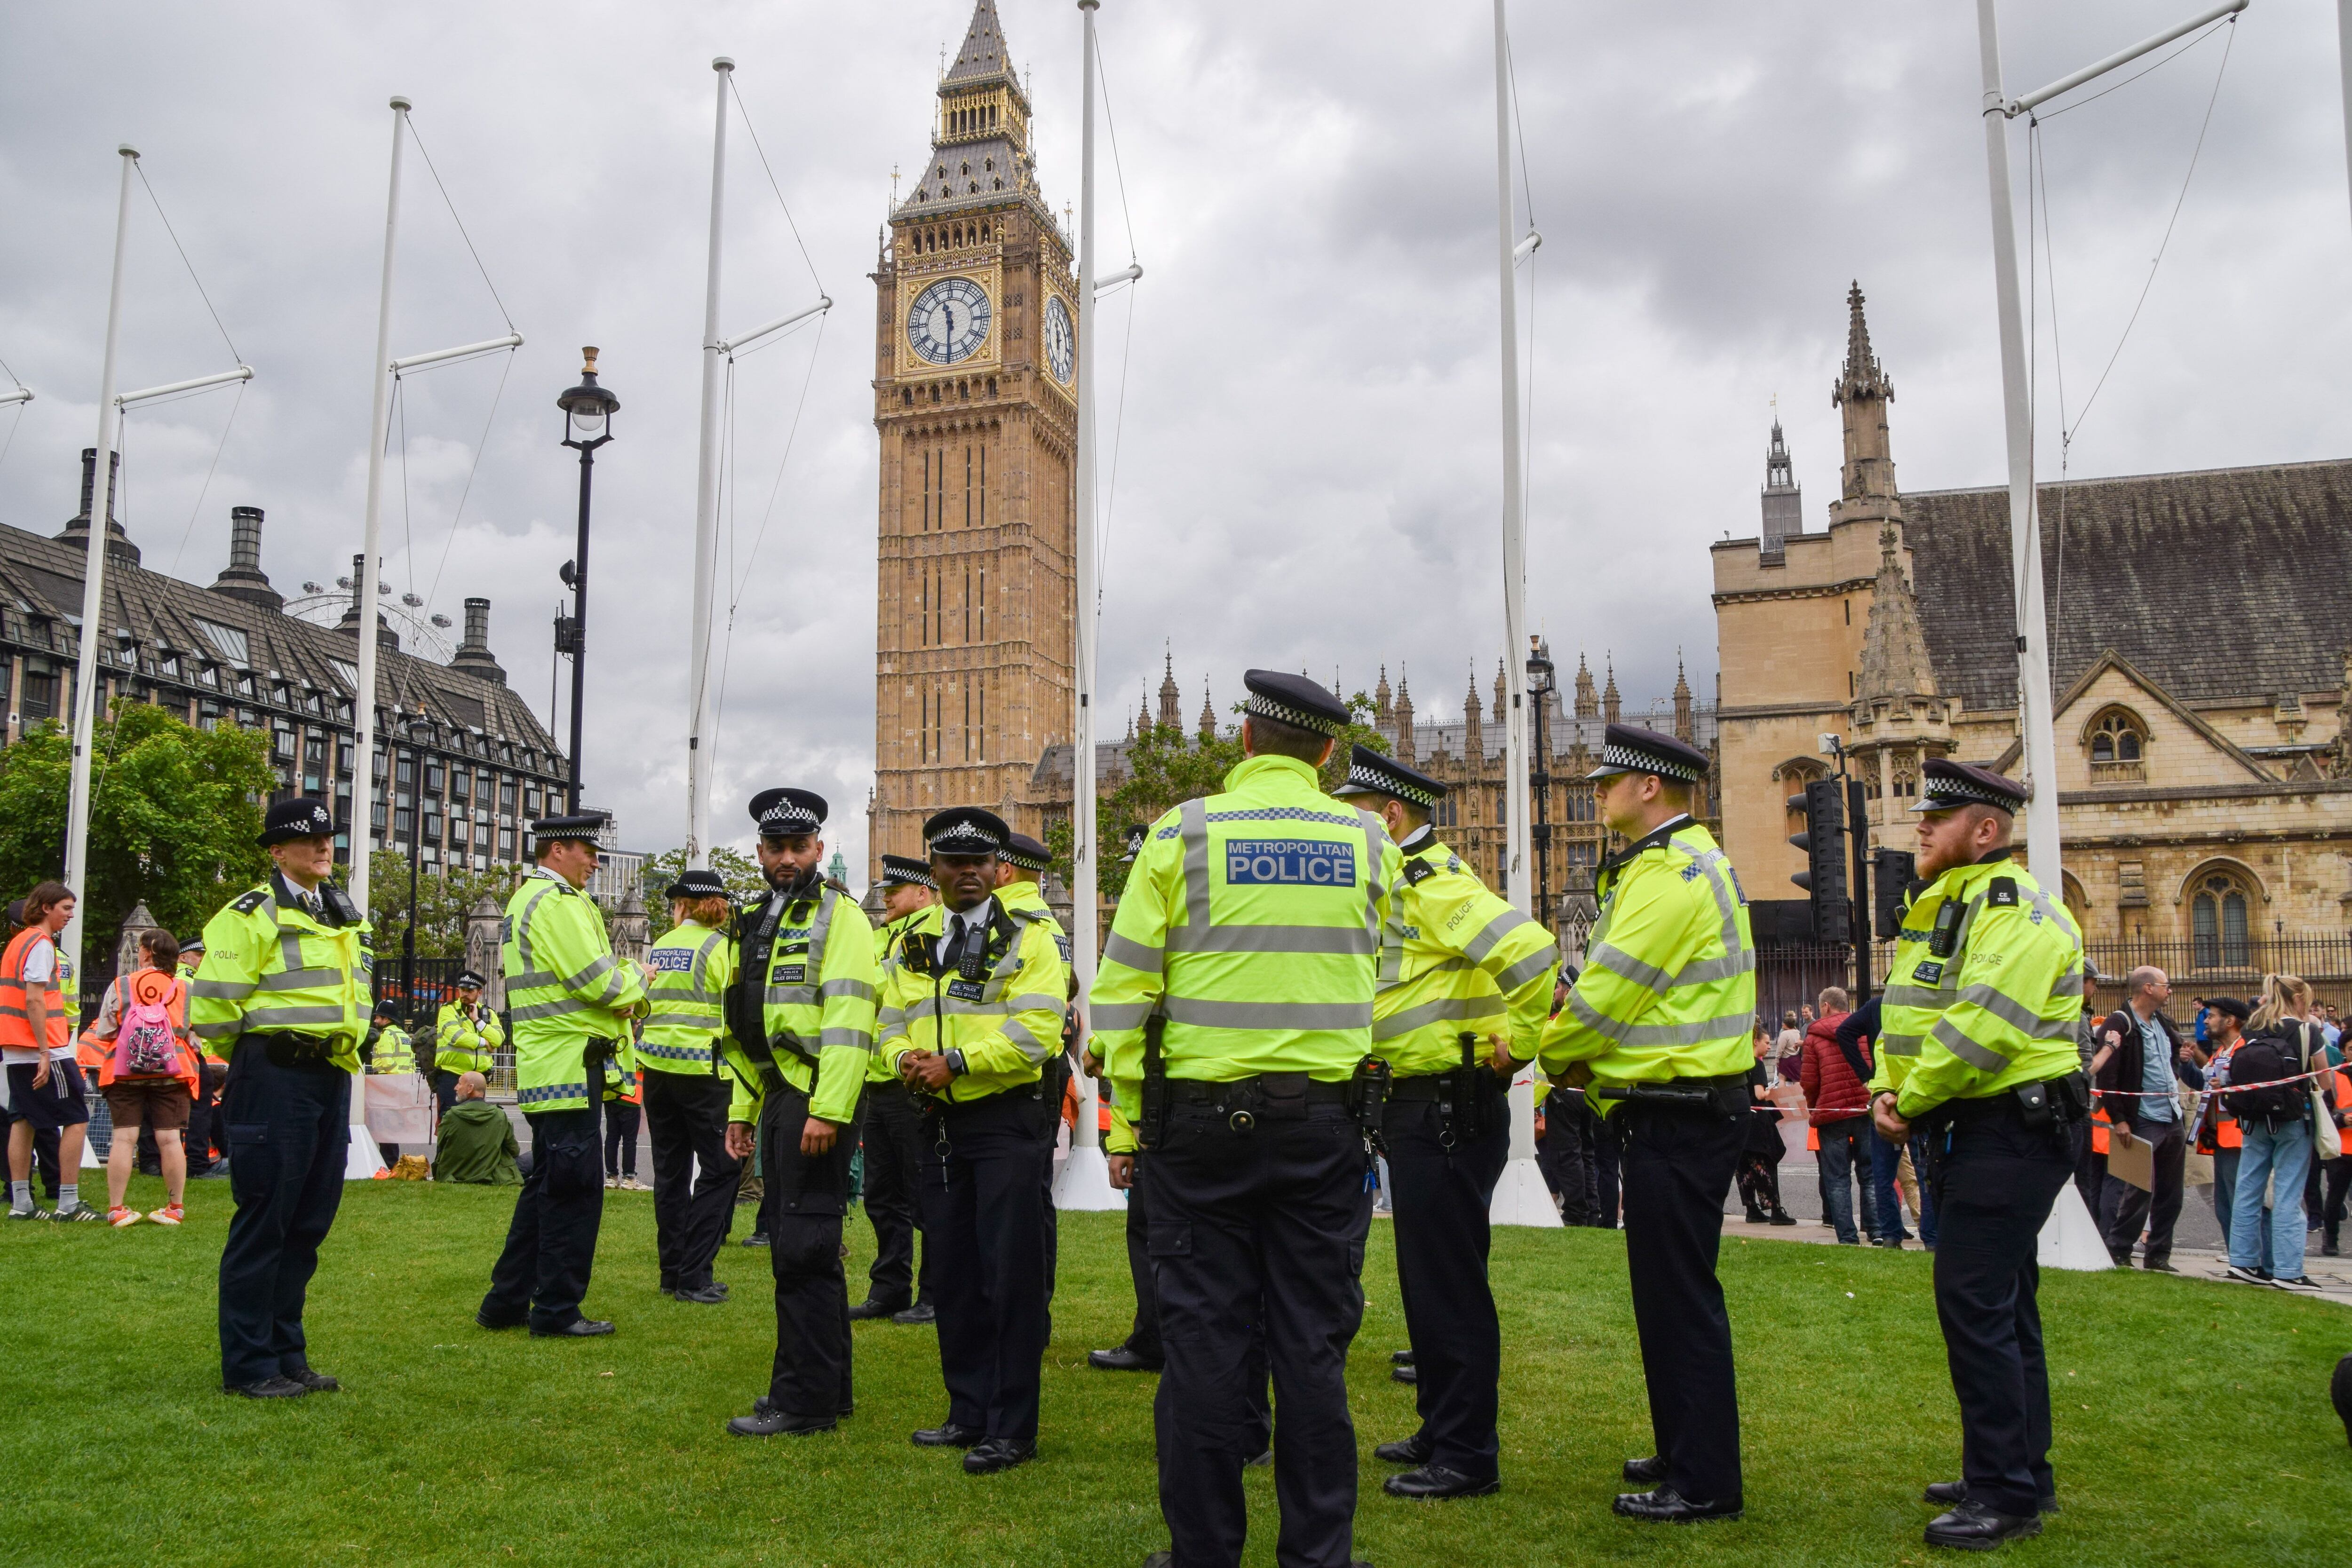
[174,812]
[738,870]
[1165,768]
[443,900]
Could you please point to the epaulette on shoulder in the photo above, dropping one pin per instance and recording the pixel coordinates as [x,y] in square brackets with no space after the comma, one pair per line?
[2001,893]
[1418,871]
[247,903]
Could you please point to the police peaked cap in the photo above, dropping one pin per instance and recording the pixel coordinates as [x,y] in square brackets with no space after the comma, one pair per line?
[1629,748]
[298,818]
[584,827]
[695,884]
[906,870]
[1022,850]
[1293,700]
[965,830]
[1371,773]
[193,945]
[467,981]
[786,814]
[1947,785]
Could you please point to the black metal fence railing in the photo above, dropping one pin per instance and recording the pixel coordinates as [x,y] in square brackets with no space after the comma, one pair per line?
[1791,977]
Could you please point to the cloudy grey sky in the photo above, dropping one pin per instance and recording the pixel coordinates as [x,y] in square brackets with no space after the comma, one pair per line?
[1309,369]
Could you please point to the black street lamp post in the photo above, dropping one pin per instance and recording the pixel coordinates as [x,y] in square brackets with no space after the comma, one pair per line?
[587,424]
[1540,689]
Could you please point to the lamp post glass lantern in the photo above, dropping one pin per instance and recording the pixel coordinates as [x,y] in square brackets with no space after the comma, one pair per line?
[587,424]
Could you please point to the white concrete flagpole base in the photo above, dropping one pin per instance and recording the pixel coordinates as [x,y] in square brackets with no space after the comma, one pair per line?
[1521,1197]
[2070,1238]
[365,1159]
[1085,1181]
[89,1160]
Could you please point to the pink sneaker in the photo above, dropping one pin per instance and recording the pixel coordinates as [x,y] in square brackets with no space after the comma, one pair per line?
[170,1213]
[119,1218]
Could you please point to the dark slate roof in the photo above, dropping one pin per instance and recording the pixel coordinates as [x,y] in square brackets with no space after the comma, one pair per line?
[2221,585]
[42,576]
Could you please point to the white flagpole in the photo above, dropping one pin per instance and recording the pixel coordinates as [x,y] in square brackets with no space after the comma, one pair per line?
[1520,1196]
[1085,1181]
[93,601]
[379,424]
[706,503]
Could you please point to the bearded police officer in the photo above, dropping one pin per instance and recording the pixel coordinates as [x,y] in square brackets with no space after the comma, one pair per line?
[1977,1051]
[1469,966]
[1233,1012]
[800,1025]
[283,993]
[889,1127]
[685,1093]
[570,1002]
[973,1001]
[1658,1025]
[465,1038]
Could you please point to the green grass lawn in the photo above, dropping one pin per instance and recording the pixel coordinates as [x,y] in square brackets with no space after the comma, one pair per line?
[2192,1417]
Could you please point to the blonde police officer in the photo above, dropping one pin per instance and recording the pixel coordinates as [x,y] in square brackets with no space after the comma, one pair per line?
[685,1091]
[571,1001]
[1659,1025]
[283,993]
[1469,967]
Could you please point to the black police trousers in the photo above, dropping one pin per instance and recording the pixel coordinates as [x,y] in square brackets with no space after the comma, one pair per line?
[1258,1239]
[289,1126]
[983,1221]
[810,1379]
[445,1089]
[1442,1197]
[1676,1166]
[1143,1336]
[550,1246]
[1994,1187]
[686,1122]
[892,1133]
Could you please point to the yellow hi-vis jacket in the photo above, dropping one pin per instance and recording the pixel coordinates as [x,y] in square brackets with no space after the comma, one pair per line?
[1465,962]
[1998,1008]
[466,1042]
[393,1054]
[693,966]
[879,1070]
[1006,1023]
[1669,984]
[1252,922]
[825,1007]
[564,988]
[269,966]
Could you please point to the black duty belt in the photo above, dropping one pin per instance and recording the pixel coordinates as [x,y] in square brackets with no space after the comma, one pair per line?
[1426,1086]
[1726,1094]
[1264,1086]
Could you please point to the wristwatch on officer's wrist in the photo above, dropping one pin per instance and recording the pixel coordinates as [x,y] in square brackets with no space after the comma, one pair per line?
[955,1061]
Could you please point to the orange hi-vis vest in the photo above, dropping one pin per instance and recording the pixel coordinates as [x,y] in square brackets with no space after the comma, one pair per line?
[2099,1124]
[2221,1130]
[15,1014]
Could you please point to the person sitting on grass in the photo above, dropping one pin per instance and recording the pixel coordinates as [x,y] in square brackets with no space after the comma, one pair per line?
[478,1141]
[150,1075]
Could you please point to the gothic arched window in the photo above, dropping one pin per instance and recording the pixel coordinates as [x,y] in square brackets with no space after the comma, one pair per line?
[2217,913]
[2117,742]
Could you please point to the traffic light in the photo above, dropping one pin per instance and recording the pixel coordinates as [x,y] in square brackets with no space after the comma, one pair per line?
[1891,872]
[1824,841]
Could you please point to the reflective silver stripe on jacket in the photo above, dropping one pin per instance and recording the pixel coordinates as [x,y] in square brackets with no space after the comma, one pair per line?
[556,1009]
[529,977]
[1201,1013]
[1734,1026]
[806,992]
[1121,1015]
[1444,1009]
[1134,954]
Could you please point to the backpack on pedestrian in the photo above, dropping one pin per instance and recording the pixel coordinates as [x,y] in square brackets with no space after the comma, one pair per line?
[146,1046]
[2265,1058]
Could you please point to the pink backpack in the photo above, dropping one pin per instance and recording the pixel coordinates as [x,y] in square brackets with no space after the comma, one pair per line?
[145,1046]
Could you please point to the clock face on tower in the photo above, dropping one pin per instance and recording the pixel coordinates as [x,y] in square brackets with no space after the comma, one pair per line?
[948,321]
[1061,346]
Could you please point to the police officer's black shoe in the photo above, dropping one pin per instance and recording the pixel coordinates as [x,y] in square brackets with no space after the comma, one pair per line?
[1952,1494]
[708,1295]
[495,1325]
[949,1435]
[578,1327]
[1412,1450]
[1400,1358]
[1646,1472]
[920,1312]
[1405,1374]
[757,1239]
[1121,1359]
[266,1388]
[1972,1527]
[1438,1482]
[874,1307]
[771,1423]
[314,1382]
[1779,1216]
[997,1454]
[1667,1506]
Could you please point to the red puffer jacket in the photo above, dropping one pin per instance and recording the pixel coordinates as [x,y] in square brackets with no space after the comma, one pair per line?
[1829,1079]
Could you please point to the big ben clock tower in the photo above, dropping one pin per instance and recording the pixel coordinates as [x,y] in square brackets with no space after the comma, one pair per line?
[975,365]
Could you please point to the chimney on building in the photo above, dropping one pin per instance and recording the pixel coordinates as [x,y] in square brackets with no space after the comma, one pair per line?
[119,548]
[474,655]
[244,578]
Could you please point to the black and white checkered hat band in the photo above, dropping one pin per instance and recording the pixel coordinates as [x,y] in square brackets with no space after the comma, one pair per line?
[1013,857]
[1266,708]
[965,839]
[787,819]
[1943,794]
[1627,760]
[894,877]
[1390,784]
